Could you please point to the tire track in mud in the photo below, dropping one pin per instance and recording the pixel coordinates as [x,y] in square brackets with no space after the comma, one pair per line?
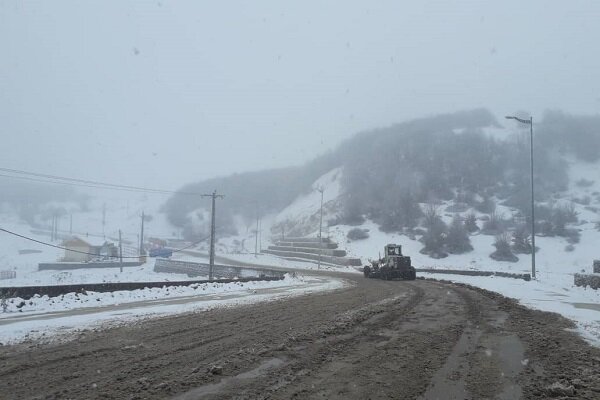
[348,362]
[150,345]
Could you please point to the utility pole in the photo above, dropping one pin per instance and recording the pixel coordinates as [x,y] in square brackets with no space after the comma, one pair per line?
[142,251]
[71,224]
[260,235]
[103,219]
[321,190]
[256,235]
[120,252]
[211,257]
[532,202]
[530,123]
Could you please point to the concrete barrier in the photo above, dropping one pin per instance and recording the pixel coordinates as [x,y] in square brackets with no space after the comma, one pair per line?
[219,271]
[525,277]
[27,292]
[309,256]
[306,240]
[66,266]
[312,250]
[312,245]
[585,280]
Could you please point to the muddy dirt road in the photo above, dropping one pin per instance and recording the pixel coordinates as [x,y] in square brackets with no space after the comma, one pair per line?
[376,339]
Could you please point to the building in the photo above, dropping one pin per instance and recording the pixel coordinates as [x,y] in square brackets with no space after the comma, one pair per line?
[79,250]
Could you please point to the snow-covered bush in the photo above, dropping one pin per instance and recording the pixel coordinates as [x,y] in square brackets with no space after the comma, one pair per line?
[494,224]
[457,239]
[573,235]
[457,207]
[471,223]
[521,243]
[487,205]
[584,183]
[434,238]
[358,234]
[503,251]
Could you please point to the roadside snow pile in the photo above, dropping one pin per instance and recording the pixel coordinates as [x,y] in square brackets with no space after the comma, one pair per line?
[72,301]
[51,319]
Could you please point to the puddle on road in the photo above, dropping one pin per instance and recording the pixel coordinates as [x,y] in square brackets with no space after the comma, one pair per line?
[216,387]
[445,384]
[449,381]
[511,352]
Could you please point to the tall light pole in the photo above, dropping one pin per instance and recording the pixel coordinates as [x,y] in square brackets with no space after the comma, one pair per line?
[530,123]
[321,190]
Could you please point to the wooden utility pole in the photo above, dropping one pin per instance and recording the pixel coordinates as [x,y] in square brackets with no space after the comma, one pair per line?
[103,219]
[120,252]
[320,230]
[142,251]
[211,257]
[256,235]
[71,224]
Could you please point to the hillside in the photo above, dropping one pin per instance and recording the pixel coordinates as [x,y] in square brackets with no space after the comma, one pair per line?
[453,191]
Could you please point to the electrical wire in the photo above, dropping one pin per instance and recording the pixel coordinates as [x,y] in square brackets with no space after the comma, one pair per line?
[85,252]
[85,183]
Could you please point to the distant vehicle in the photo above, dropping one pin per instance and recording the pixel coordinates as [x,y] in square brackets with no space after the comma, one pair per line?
[161,252]
[392,265]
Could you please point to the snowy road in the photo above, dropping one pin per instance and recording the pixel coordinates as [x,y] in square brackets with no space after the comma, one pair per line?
[49,316]
[371,339]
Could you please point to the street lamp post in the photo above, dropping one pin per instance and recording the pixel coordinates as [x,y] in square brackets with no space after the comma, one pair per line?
[321,190]
[530,123]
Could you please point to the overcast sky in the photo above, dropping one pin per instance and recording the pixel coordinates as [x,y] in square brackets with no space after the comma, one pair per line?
[162,93]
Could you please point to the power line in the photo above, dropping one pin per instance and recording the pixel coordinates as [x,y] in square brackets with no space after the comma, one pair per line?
[85,252]
[83,182]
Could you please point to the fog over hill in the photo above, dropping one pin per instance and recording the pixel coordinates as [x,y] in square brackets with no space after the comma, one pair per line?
[463,156]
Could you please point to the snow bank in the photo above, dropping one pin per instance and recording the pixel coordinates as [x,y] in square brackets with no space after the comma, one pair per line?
[44,317]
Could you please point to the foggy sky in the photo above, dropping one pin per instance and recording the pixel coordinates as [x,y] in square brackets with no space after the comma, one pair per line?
[163,93]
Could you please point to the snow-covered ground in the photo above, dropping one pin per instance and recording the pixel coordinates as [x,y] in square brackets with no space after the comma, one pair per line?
[27,273]
[123,211]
